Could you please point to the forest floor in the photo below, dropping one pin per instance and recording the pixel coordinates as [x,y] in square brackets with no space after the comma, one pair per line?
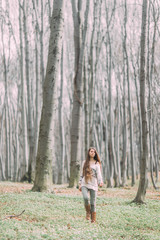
[61,215]
[126,192]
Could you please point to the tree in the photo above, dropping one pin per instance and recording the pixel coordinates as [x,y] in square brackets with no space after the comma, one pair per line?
[129,97]
[29,92]
[43,177]
[150,70]
[61,129]
[144,157]
[77,102]
[23,111]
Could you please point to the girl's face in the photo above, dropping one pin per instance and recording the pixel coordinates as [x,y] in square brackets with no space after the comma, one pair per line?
[92,153]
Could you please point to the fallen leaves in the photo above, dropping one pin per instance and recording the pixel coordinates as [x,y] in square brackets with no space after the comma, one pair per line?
[69,226]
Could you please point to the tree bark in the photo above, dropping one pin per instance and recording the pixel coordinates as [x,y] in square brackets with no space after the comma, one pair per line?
[23,111]
[43,178]
[139,113]
[77,97]
[150,103]
[129,99]
[17,142]
[125,133]
[6,107]
[111,117]
[37,108]
[117,136]
[41,45]
[143,161]
[86,110]
[2,163]
[29,94]
[61,129]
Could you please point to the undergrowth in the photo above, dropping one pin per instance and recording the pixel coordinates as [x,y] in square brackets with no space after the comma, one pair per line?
[49,216]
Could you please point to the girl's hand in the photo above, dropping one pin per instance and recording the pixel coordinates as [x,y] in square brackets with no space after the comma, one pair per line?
[80,188]
[101,184]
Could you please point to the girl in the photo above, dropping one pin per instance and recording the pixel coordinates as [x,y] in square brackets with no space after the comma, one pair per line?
[89,180]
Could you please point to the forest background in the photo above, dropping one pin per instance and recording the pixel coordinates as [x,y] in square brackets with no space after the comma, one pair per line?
[109,102]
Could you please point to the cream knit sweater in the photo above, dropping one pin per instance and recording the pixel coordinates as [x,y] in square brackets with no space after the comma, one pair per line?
[96,177]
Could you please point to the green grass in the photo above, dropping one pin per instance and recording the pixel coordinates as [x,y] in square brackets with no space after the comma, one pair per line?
[49,216]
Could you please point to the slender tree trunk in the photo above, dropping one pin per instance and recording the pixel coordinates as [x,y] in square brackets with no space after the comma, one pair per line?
[125,135]
[37,108]
[77,97]
[41,45]
[111,119]
[109,162]
[43,178]
[49,11]
[129,100]
[139,113]
[17,142]
[108,169]
[112,163]
[117,136]
[6,106]
[29,99]
[157,150]
[143,162]
[7,145]
[91,89]
[150,104]
[39,82]
[23,114]
[86,110]
[10,140]
[61,129]
[2,166]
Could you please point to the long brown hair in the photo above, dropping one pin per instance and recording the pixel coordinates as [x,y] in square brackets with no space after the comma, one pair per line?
[86,168]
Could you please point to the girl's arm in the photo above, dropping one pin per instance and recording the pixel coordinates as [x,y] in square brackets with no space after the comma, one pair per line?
[99,176]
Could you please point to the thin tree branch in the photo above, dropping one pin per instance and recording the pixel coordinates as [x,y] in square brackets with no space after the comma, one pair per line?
[13,216]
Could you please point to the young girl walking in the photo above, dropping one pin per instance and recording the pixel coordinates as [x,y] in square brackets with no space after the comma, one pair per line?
[90,179]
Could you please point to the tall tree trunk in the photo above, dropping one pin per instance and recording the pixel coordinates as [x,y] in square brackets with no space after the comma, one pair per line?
[10,140]
[109,162]
[150,104]
[30,104]
[39,84]
[91,89]
[17,142]
[129,99]
[112,163]
[61,129]
[139,113]
[2,165]
[117,136]
[77,97]
[157,150]
[37,108]
[41,45]
[43,177]
[108,169]
[23,114]
[86,110]
[125,135]
[143,161]
[111,117]
[6,106]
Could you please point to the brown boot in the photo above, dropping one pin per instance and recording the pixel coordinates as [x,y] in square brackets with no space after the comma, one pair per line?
[93,217]
[88,211]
